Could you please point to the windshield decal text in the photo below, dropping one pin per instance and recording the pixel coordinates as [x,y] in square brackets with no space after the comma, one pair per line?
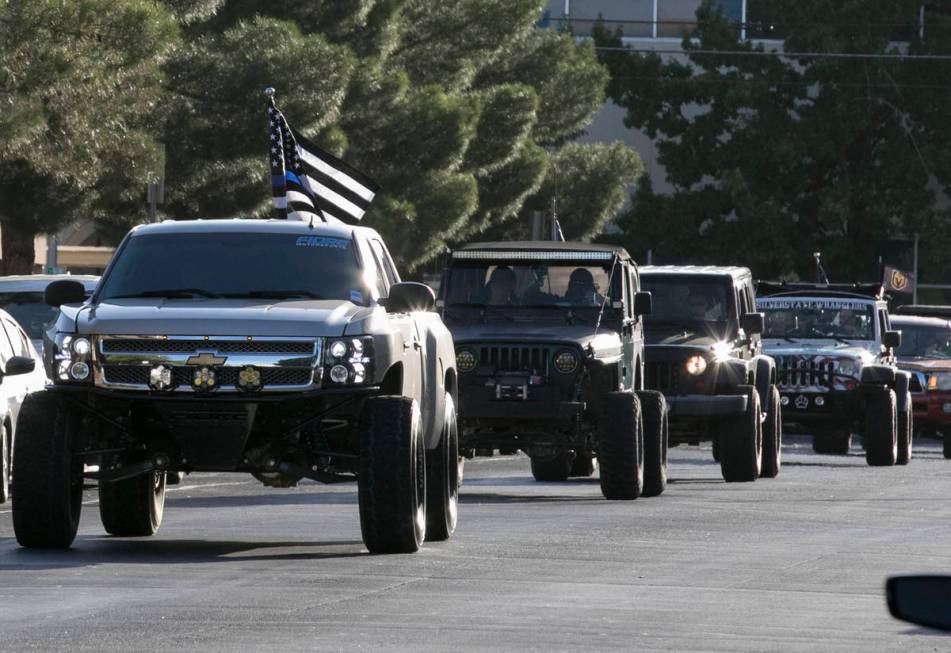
[322,241]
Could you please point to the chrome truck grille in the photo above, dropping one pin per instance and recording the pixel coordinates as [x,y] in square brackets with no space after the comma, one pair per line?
[284,364]
[796,372]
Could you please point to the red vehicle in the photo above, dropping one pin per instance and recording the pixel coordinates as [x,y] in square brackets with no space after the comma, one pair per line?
[925,352]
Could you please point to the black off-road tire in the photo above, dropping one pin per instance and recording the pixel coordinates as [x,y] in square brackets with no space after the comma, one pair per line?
[133,507]
[772,435]
[838,444]
[715,447]
[552,470]
[946,445]
[174,478]
[392,478]
[741,441]
[621,452]
[442,480]
[584,465]
[654,411]
[47,478]
[881,427]
[905,434]
[6,458]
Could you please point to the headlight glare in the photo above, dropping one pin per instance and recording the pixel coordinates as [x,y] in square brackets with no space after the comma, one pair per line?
[696,365]
[81,347]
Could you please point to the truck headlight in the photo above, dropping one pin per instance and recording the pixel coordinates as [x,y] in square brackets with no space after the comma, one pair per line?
[349,361]
[695,365]
[72,359]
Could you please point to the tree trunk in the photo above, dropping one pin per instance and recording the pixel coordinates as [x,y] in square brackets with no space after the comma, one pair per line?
[16,248]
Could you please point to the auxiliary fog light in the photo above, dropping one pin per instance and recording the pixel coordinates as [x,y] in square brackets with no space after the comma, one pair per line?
[820,402]
[784,400]
[79,371]
[205,379]
[696,365]
[339,374]
[946,407]
[160,378]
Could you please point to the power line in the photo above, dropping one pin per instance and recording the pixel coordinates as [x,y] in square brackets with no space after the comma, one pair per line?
[773,53]
[766,82]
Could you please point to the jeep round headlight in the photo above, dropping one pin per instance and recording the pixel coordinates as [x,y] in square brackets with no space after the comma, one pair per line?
[338,349]
[696,365]
[466,360]
[847,366]
[566,361]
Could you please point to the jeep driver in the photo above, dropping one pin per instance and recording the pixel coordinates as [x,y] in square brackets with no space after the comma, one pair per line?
[270,347]
[549,349]
[703,353]
[834,349]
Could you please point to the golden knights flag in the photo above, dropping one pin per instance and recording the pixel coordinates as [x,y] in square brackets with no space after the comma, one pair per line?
[308,183]
[898,281]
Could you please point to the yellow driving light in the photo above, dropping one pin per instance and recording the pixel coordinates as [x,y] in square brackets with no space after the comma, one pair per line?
[204,379]
[696,365]
[249,379]
[466,360]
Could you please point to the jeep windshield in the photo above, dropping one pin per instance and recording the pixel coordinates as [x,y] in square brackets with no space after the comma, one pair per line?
[696,303]
[817,318]
[536,285]
[235,265]
[925,342]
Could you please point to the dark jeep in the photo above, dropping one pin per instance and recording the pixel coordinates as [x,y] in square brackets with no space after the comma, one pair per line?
[703,353]
[549,348]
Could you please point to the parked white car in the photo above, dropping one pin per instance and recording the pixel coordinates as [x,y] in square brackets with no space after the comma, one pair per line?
[22,374]
[22,297]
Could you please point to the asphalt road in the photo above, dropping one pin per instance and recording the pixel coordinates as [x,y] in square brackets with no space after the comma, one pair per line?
[791,564]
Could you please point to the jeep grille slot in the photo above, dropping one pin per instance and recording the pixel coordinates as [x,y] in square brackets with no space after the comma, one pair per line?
[663,376]
[515,358]
[176,346]
[796,372]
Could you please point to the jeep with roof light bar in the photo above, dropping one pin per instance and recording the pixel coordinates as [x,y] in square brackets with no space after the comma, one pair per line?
[835,352]
[271,347]
[550,352]
[704,354]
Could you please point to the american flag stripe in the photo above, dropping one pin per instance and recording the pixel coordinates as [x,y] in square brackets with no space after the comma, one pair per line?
[308,183]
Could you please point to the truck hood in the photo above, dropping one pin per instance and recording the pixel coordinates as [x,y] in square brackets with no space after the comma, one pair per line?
[925,364]
[680,338]
[605,344]
[822,348]
[194,317]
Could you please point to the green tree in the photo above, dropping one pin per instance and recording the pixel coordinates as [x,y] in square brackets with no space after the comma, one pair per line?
[80,83]
[458,108]
[772,158]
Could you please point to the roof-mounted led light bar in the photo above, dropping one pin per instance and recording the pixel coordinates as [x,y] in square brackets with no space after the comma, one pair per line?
[503,255]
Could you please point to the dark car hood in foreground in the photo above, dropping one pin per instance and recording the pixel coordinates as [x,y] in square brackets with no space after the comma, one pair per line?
[189,317]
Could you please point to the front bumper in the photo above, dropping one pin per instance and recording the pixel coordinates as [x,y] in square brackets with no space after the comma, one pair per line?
[835,408]
[473,406]
[928,408]
[706,406]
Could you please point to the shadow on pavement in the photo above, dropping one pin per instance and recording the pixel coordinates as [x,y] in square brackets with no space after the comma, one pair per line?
[90,551]
[268,499]
[486,497]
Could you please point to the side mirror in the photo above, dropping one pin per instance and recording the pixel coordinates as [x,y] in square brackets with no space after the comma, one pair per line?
[643,303]
[753,322]
[409,296]
[64,291]
[892,339]
[19,365]
[922,600]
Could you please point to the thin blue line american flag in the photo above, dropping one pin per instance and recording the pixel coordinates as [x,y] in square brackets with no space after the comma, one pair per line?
[308,183]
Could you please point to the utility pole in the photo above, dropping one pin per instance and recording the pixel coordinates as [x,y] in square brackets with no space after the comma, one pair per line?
[51,254]
[155,195]
[914,290]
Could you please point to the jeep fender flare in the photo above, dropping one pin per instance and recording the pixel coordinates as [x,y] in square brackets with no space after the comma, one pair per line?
[878,375]
[732,373]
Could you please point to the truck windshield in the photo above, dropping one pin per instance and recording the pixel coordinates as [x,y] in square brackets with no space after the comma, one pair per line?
[925,341]
[252,265]
[685,300]
[817,318]
[534,285]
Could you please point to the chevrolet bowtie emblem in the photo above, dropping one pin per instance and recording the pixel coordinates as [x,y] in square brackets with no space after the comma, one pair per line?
[206,358]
